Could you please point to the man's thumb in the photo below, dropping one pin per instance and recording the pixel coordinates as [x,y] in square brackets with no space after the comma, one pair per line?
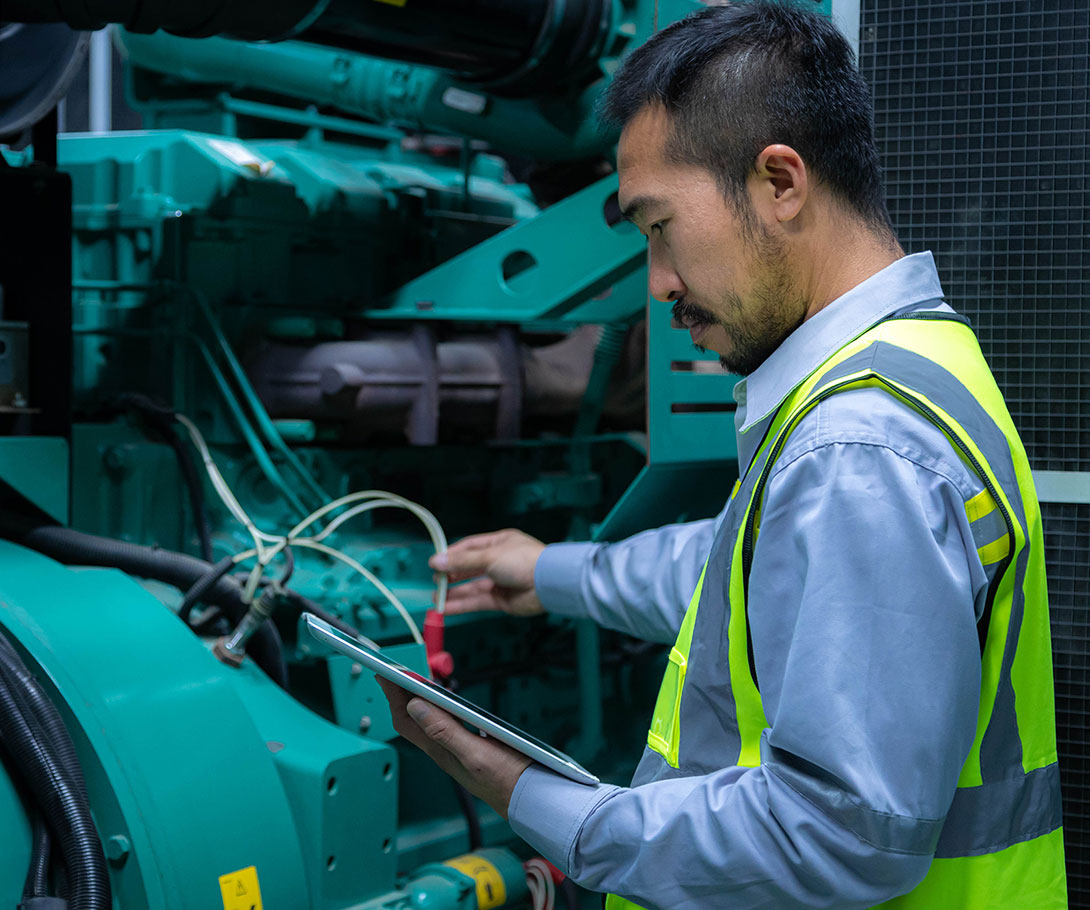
[437,725]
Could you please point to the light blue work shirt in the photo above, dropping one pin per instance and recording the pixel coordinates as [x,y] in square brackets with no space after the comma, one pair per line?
[864,594]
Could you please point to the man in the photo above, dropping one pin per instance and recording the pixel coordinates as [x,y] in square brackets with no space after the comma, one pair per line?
[858,706]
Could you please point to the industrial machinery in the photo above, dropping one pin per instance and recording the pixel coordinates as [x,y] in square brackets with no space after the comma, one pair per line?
[358,289]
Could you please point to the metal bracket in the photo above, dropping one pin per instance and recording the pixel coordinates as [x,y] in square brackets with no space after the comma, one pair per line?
[574,262]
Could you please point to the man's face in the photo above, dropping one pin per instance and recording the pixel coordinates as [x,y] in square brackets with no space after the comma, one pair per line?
[726,271]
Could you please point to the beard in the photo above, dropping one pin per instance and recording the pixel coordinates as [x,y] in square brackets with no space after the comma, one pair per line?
[754,328]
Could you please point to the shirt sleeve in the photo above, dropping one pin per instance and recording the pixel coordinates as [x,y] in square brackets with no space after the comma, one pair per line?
[641,585]
[869,665]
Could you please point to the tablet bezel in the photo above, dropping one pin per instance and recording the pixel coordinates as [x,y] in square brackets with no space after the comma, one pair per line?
[464,710]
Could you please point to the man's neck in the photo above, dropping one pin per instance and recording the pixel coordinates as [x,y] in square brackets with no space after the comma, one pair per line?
[843,257]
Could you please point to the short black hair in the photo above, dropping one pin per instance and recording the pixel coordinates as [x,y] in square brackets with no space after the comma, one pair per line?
[736,79]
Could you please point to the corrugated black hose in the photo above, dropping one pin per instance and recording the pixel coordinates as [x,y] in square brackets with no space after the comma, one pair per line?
[36,704]
[204,584]
[61,798]
[37,877]
[176,569]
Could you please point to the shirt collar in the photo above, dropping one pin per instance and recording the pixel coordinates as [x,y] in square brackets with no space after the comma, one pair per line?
[908,281]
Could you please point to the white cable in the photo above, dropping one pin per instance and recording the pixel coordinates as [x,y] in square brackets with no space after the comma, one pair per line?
[549,889]
[370,576]
[224,491]
[377,499]
[536,888]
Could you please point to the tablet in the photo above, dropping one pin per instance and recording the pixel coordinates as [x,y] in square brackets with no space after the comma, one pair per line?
[413,682]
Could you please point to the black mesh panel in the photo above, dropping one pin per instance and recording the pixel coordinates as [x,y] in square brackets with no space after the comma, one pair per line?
[983,124]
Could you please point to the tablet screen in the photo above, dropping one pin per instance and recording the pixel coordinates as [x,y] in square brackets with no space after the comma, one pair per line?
[483,720]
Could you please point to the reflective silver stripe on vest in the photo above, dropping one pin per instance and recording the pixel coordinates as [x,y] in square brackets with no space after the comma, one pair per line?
[1001,813]
[988,528]
[891,833]
[1011,807]
[1001,748]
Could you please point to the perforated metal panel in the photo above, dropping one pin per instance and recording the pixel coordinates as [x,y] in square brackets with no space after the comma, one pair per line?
[984,128]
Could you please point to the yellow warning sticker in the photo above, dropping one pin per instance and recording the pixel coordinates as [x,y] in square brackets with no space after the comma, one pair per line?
[240,890]
[394,2]
[491,891]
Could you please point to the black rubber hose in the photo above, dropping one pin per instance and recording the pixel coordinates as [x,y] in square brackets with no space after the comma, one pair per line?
[289,566]
[77,548]
[203,586]
[467,804]
[37,877]
[306,605]
[469,810]
[176,569]
[41,706]
[65,808]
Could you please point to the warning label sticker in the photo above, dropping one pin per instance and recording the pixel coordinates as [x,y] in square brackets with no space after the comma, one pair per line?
[240,890]
[491,891]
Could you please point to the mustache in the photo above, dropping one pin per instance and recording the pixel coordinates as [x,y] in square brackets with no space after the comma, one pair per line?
[684,310]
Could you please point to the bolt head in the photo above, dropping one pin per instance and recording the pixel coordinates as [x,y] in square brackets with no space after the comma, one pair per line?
[117,849]
[365,723]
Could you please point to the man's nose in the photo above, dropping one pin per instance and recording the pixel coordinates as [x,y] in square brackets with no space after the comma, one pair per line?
[663,281]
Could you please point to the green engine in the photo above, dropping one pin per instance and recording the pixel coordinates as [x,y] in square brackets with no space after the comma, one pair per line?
[350,295]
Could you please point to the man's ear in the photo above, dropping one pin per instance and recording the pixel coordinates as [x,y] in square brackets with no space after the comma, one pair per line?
[782,183]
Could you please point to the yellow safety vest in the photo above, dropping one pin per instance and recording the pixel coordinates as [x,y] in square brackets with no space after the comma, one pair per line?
[1001,845]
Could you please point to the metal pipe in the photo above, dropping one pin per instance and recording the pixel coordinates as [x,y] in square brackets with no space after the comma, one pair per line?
[519,48]
[100,65]
[417,97]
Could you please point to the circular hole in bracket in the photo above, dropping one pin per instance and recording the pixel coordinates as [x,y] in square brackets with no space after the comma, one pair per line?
[516,263]
[331,787]
[331,863]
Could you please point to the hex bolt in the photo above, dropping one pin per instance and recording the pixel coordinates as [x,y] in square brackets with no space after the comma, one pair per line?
[365,723]
[118,849]
[116,459]
[356,671]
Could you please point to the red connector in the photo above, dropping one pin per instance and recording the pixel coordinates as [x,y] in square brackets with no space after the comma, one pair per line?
[440,662]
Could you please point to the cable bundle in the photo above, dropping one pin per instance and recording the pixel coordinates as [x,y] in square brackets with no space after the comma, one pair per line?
[539,879]
[34,736]
[268,546]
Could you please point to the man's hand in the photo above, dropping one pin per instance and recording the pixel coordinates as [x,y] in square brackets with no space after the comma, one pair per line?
[485,767]
[502,566]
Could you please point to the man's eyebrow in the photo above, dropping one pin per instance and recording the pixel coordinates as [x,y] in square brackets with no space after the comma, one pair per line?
[635,209]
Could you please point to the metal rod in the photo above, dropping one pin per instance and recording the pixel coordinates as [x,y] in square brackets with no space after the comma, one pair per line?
[101,82]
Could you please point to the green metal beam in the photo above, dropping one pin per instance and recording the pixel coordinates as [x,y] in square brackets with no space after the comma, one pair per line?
[549,267]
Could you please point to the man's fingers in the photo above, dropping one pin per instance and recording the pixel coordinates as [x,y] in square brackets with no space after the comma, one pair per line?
[473,596]
[438,726]
[467,557]
[464,564]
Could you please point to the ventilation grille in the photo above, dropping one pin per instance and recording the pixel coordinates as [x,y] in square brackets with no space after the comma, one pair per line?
[983,124]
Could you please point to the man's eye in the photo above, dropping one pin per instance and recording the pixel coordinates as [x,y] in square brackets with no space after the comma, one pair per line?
[657,227]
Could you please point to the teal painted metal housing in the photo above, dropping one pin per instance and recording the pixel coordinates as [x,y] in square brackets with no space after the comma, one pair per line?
[195,765]
[36,468]
[280,200]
